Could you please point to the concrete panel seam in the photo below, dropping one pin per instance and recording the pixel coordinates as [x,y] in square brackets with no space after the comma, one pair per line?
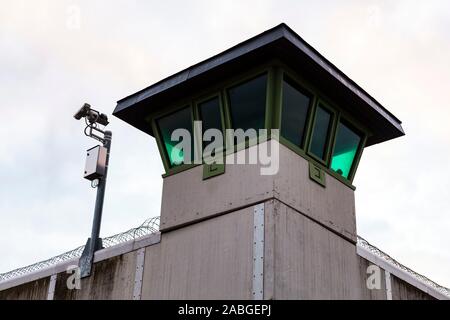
[147,241]
[139,274]
[215,215]
[321,223]
[387,277]
[51,287]
[258,252]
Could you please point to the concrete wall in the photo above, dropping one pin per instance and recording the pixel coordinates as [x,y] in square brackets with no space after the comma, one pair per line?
[374,293]
[401,290]
[188,198]
[111,279]
[33,290]
[305,260]
[239,235]
[213,259]
[208,260]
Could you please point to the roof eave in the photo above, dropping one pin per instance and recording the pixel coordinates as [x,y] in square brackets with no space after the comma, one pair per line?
[127,107]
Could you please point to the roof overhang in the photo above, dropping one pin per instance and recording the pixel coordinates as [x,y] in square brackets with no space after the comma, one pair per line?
[281,43]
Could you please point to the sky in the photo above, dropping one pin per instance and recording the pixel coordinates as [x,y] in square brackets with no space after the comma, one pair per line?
[56,55]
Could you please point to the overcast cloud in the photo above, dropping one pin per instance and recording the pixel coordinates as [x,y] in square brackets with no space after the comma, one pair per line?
[51,62]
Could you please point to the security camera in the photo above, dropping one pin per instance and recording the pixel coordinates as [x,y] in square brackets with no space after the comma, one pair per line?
[103,119]
[83,112]
[92,116]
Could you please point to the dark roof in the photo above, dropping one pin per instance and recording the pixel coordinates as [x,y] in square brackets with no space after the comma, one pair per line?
[280,42]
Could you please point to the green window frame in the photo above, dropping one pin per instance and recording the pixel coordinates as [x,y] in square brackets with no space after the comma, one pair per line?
[304,132]
[168,165]
[276,73]
[327,139]
[267,73]
[221,92]
[198,116]
[346,131]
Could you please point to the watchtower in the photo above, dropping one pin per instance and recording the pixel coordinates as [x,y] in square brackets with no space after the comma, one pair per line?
[234,230]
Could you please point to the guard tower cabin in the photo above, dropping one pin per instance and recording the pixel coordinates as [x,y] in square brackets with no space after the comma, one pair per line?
[227,231]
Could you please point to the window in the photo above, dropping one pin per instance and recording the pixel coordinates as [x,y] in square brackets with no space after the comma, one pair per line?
[210,115]
[248,104]
[294,112]
[345,149]
[178,120]
[321,132]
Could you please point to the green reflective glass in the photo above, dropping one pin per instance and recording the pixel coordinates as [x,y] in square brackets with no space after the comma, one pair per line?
[248,104]
[294,112]
[178,120]
[345,149]
[210,116]
[319,139]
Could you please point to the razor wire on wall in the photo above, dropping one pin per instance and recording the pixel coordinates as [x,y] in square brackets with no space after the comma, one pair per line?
[152,226]
[149,226]
[377,252]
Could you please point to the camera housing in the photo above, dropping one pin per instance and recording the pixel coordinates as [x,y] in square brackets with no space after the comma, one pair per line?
[92,116]
[83,112]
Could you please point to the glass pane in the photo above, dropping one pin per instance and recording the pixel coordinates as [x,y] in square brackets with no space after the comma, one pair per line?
[179,120]
[293,114]
[320,133]
[210,116]
[347,143]
[248,104]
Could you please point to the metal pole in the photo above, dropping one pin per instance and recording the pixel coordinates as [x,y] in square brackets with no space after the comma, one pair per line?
[94,243]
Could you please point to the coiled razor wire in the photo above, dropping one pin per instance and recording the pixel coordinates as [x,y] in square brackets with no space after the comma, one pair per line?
[377,252]
[149,226]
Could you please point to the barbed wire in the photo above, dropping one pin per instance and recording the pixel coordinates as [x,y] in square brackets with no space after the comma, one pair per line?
[377,252]
[149,226]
